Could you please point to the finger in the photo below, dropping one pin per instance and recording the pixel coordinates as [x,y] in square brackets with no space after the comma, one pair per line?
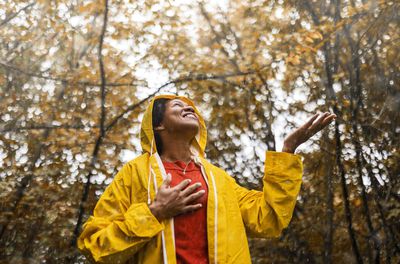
[191,208]
[182,185]
[167,182]
[325,120]
[190,189]
[316,126]
[328,119]
[310,121]
[194,196]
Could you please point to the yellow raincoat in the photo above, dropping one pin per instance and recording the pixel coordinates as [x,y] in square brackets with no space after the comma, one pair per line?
[123,230]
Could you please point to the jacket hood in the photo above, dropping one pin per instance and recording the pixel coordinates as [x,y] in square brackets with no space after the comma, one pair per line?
[147,139]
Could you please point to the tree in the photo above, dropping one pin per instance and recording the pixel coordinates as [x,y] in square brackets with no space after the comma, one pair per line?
[75,77]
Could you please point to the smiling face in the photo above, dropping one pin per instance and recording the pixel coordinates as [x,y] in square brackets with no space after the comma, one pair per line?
[179,118]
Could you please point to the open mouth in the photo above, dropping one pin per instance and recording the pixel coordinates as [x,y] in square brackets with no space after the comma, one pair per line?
[190,115]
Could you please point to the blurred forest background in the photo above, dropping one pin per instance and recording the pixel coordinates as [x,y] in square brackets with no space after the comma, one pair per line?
[76,75]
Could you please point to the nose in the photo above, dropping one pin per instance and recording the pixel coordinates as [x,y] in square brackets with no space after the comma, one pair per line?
[188,108]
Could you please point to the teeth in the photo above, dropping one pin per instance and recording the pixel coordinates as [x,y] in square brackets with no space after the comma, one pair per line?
[190,115]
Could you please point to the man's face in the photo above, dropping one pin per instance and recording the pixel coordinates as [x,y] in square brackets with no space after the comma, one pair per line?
[179,117]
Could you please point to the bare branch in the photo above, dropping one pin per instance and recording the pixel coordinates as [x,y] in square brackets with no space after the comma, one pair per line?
[12,16]
[218,37]
[45,126]
[62,80]
[102,72]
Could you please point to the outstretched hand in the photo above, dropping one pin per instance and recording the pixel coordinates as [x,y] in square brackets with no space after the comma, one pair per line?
[315,124]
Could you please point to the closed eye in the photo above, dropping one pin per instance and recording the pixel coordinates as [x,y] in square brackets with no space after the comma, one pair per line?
[179,104]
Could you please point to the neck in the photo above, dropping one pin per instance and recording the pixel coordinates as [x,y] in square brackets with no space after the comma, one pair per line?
[175,149]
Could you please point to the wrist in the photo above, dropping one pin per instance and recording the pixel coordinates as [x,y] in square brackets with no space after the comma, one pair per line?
[155,211]
[288,148]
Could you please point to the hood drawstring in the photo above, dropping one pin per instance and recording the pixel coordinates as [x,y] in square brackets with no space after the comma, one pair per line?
[150,174]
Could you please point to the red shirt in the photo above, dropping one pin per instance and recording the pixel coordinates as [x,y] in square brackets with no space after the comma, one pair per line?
[190,228]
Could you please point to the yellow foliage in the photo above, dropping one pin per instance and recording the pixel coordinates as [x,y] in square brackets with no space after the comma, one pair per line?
[346,102]
[315,35]
[309,40]
[90,7]
[293,60]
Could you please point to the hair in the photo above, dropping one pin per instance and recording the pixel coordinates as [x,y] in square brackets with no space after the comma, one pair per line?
[159,107]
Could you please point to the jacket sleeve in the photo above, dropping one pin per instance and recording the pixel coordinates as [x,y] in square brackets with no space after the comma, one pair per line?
[118,229]
[267,213]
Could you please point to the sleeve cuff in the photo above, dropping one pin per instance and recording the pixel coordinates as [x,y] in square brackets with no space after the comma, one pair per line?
[284,164]
[141,222]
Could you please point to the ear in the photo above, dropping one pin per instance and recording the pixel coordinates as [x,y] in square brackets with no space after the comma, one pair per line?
[159,128]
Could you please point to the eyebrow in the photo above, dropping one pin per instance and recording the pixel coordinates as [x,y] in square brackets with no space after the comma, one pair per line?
[178,102]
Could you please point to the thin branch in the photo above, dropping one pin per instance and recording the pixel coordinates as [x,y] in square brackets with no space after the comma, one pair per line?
[102,72]
[62,80]
[12,16]
[218,37]
[46,126]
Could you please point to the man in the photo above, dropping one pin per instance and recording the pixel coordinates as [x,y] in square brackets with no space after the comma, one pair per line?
[170,205]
